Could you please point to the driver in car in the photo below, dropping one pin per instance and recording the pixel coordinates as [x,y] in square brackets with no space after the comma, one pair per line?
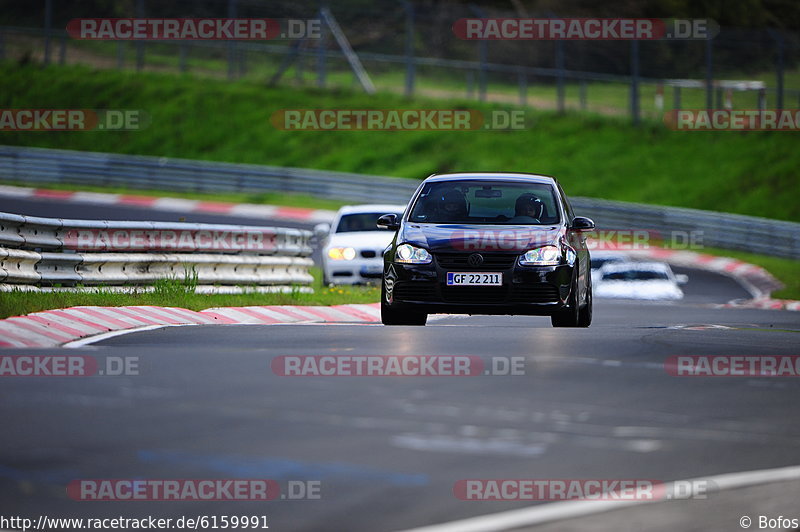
[528,209]
[452,206]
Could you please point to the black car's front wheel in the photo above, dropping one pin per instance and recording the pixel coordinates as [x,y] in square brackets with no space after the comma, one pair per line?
[573,315]
[392,316]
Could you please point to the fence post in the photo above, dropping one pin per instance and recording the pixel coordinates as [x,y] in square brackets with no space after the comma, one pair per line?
[483,54]
[762,99]
[676,97]
[48,28]
[139,44]
[779,70]
[410,66]
[470,84]
[321,52]
[728,99]
[231,43]
[635,81]
[522,80]
[120,54]
[183,57]
[62,51]
[582,95]
[709,74]
[659,96]
[560,76]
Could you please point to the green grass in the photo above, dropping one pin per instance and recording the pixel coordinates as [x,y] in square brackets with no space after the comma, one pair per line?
[175,293]
[747,173]
[785,270]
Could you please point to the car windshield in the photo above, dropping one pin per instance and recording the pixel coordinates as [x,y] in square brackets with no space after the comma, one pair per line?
[363,221]
[599,262]
[486,202]
[636,275]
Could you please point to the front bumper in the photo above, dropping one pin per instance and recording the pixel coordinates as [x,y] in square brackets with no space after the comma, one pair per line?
[531,290]
[356,271]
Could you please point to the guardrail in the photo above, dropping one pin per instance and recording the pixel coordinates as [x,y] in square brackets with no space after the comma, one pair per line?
[52,251]
[45,166]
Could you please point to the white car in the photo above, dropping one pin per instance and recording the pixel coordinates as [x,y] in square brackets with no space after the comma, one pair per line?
[353,245]
[600,258]
[639,280]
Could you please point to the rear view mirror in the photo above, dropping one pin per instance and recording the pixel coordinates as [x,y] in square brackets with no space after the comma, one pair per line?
[389,221]
[681,278]
[488,193]
[580,223]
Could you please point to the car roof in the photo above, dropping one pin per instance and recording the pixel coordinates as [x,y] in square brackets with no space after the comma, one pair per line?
[499,176]
[646,266]
[371,208]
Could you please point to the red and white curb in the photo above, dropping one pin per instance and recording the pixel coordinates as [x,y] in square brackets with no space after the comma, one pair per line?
[52,328]
[249,210]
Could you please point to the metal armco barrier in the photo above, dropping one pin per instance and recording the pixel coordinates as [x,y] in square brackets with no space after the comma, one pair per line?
[50,251]
[45,166]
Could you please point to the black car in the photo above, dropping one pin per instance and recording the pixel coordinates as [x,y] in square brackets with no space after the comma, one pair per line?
[487,243]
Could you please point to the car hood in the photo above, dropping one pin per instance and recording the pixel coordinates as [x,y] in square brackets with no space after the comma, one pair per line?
[360,239]
[468,237]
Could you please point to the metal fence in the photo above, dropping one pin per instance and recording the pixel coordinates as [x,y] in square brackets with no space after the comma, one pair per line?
[38,251]
[410,48]
[45,166]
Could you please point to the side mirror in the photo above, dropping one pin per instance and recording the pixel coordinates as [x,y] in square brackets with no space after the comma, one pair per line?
[322,230]
[389,221]
[681,278]
[579,223]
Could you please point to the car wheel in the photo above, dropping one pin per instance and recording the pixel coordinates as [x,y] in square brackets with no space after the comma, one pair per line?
[568,317]
[585,314]
[390,316]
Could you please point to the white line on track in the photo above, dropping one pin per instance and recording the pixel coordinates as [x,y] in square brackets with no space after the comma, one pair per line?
[81,342]
[558,511]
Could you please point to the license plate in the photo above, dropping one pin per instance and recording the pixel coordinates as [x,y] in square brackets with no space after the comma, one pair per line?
[372,270]
[474,279]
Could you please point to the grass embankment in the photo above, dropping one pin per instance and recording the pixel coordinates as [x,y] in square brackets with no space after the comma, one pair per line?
[176,293]
[747,173]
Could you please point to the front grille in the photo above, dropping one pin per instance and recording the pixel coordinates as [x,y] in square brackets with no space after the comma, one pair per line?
[474,294]
[491,261]
[534,293]
[411,291]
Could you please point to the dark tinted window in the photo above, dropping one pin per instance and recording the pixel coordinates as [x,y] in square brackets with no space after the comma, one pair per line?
[350,223]
[486,202]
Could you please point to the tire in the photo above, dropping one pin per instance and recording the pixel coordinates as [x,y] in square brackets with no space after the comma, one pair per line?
[390,316]
[570,316]
[585,314]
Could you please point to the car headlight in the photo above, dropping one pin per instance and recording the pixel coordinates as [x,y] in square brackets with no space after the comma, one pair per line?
[408,254]
[342,253]
[543,256]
